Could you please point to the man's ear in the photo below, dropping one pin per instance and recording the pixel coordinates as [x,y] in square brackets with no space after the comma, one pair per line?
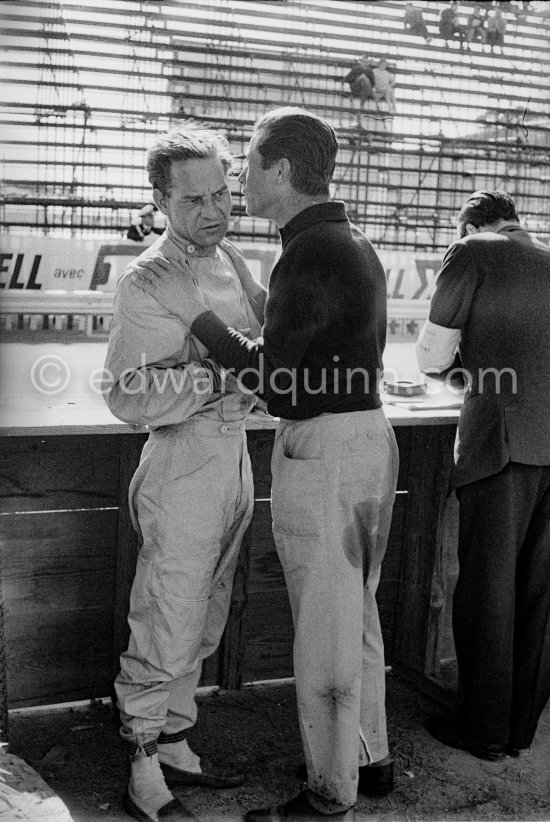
[159,200]
[284,170]
[471,229]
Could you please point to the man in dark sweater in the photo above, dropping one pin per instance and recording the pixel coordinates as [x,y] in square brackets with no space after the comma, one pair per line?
[335,460]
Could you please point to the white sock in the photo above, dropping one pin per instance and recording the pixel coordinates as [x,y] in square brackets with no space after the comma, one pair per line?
[179,755]
[147,787]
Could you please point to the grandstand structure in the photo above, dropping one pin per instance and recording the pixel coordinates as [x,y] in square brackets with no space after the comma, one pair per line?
[86,89]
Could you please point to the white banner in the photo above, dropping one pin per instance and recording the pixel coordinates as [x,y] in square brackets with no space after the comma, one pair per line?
[42,264]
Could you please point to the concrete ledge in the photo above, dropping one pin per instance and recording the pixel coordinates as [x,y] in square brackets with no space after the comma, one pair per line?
[25,797]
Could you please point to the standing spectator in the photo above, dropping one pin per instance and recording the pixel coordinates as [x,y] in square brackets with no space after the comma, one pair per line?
[475,26]
[334,458]
[492,299]
[191,496]
[361,81]
[414,22]
[384,83]
[496,26]
[143,228]
[449,27]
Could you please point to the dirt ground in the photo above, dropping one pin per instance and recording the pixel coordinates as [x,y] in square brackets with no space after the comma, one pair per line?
[78,753]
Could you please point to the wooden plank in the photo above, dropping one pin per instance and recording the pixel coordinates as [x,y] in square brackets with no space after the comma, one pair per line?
[228,672]
[225,667]
[258,643]
[128,454]
[54,473]
[403,437]
[440,647]
[58,584]
[266,573]
[429,466]
[388,590]
[66,657]
[268,634]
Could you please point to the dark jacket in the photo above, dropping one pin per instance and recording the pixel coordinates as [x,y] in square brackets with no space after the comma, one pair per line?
[495,287]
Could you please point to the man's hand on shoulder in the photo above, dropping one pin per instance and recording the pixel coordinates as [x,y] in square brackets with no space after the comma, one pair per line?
[178,295]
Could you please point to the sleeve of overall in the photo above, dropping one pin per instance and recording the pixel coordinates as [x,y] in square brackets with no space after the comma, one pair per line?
[142,385]
[449,310]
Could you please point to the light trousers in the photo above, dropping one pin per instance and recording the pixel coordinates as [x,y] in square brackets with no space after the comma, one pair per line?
[334,480]
[192,500]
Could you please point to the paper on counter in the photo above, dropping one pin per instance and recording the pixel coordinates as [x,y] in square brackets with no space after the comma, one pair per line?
[424,406]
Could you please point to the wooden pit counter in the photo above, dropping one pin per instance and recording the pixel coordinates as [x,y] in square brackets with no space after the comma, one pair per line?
[68,553]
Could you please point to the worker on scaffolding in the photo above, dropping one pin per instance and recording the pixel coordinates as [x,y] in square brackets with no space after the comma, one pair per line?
[449,27]
[475,26]
[361,81]
[384,83]
[414,22]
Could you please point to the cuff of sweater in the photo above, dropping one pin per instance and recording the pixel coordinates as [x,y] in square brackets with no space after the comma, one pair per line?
[208,328]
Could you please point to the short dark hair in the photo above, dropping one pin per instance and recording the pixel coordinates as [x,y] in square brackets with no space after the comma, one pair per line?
[486,208]
[186,140]
[305,140]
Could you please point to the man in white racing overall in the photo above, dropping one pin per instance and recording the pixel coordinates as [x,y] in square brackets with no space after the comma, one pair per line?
[191,497]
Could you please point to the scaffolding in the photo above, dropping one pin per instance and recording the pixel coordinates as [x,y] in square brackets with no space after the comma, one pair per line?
[87,91]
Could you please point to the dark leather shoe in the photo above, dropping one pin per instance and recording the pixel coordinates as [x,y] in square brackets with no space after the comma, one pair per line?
[446,730]
[172,812]
[374,780]
[212,775]
[298,809]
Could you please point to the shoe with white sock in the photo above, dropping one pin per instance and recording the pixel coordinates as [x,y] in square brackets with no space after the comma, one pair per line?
[147,796]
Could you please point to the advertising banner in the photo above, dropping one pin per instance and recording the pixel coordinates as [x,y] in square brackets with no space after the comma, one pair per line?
[44,264]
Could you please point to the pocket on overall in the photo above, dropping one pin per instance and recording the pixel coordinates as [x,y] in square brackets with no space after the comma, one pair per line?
[178,628]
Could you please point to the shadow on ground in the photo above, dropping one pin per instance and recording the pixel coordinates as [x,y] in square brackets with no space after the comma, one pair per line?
[78,752]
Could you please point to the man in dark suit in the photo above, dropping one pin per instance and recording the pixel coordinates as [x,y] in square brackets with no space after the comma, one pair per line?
[492,303]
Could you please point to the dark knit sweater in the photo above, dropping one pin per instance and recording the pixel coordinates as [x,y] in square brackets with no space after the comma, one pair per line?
[325,322]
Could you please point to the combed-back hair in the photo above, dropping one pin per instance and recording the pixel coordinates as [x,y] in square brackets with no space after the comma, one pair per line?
[186,140]
[305,140]
[486,207]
